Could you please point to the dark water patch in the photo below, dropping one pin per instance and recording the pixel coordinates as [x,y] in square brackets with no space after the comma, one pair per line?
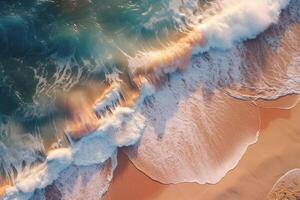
[49,48]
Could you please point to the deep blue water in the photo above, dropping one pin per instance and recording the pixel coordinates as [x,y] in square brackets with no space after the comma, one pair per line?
[50,46]
[42,34]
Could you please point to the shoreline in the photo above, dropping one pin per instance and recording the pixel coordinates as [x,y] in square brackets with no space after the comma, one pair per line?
[265,108]
[127,176]
[274,120]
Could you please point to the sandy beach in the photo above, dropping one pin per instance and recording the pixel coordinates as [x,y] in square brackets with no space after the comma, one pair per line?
[287,187]
[211,131]
[276,152]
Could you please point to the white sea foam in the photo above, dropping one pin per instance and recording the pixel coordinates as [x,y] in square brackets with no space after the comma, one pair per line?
[40,176]
[168,129]
[236,22]
[15,149]
[239,21]
[121,129]
[198,136]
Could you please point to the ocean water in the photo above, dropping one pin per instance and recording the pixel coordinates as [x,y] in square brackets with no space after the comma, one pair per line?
[110,51]
[49,47]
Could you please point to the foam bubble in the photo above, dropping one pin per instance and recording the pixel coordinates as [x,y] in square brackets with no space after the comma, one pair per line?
[236,22]
[123,128]
[239,21]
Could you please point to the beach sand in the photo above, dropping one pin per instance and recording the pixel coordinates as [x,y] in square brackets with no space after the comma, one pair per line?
[286,102]
[276,152]
[287,187]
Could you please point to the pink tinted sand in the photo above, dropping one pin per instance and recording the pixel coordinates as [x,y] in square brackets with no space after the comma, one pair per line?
[275,153]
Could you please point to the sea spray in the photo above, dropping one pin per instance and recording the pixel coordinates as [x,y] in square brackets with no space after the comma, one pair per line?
[118,125]
[40,176]
[239,21]
[123,128]
[199,135]
[170,126]
[236,22]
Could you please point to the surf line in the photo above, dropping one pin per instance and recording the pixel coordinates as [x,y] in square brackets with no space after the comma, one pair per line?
[236,22]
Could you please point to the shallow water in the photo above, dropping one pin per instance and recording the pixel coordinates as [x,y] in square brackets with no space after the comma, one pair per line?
[49,47]
[75,68]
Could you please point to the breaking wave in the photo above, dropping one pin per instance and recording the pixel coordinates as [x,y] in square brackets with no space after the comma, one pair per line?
[187,119]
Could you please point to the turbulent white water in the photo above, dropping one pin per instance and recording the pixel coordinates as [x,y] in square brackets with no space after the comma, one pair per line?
[193,136]
[240,20]
[167,114]
[93,149]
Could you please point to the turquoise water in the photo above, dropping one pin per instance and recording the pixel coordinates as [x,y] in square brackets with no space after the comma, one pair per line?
[57,57]
[51,46]
[40,35]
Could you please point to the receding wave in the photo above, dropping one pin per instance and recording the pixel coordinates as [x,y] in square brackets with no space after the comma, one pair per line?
[174,112]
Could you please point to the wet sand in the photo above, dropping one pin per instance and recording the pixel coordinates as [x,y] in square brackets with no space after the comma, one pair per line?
[286,102]
[287,187]
[276,152]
